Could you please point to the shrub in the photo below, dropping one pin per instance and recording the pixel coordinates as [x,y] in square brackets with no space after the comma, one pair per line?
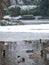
[14,11]
[24,12]
[6,12]
[30,11]
[48,12]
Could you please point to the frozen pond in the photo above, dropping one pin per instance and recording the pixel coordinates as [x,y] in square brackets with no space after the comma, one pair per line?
[19,48]
[36,21]
[17,36]
[20,33]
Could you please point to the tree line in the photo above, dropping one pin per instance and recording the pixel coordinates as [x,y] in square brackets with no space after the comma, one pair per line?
[42,9]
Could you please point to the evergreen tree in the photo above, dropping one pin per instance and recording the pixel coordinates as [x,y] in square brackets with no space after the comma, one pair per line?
[44,7]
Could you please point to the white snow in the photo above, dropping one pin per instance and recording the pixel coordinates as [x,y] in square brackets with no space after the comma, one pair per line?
[27,28]
[23,6]
[12,6]
[24,32]
[28,7]
[19,36]
[9,17]
[36,21]
[5,43]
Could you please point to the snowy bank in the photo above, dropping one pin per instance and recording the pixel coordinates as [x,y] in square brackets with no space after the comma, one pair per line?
[11,18]
[26,28]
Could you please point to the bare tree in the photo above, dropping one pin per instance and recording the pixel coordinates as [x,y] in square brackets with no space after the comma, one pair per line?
[1,10]
[6,3]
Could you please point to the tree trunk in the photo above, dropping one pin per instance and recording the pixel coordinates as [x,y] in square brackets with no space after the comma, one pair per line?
[8,3]
[1,10]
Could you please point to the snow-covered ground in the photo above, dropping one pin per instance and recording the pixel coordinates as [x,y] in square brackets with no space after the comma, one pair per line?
[27,28]
[35,21]
[11,18]
[24,32]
